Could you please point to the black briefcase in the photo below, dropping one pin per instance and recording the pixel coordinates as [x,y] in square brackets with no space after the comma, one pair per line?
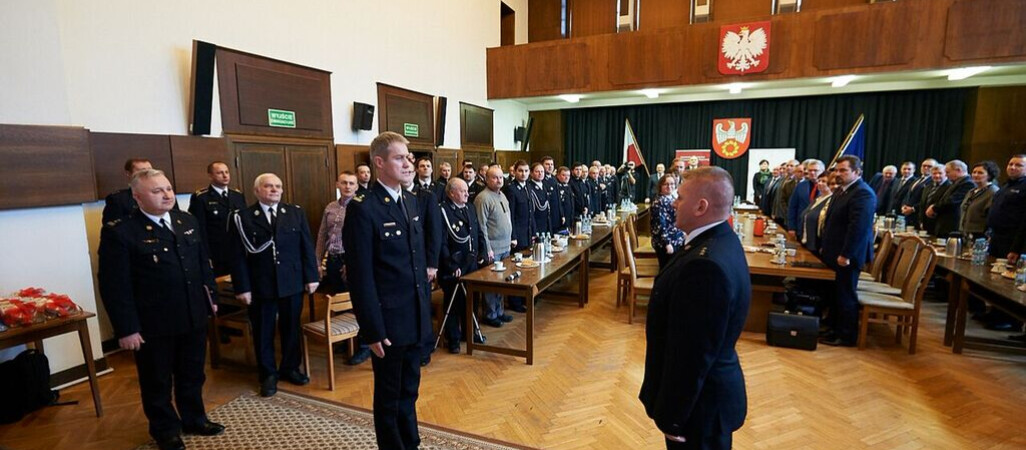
[784,329]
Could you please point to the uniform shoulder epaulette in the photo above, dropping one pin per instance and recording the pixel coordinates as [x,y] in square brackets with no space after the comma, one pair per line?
[201,190]
[358,198]
[113,223]
[235,190]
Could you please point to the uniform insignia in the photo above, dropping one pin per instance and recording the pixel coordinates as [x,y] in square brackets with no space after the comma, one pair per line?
[387,234]
[215,212]
[283,210]
[236,190]
[256,213]
[388,199]
[202,191]
[165,249]
[187,233]
[703,251]
[398,232]
[149,227]
[417,218]
[358,198]
[389,224]
[149,241]
[687,247]
[155,259]
[178,221]
[113,222]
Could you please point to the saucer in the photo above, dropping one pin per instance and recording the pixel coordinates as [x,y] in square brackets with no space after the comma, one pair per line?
[503,269]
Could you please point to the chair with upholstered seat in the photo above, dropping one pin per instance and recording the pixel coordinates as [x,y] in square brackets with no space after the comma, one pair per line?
[647,268]
[637,285]
[893,277]
[339,324]
[883,253]
[880,308]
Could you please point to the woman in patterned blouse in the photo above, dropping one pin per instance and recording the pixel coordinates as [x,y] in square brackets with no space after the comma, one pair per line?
[666,238]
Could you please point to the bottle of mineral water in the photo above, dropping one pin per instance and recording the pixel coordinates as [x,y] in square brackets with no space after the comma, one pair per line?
[980,252]
[1020,272]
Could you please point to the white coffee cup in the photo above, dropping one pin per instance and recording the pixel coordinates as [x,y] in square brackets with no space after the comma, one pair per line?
[499,265]
[910,229]
[791,252]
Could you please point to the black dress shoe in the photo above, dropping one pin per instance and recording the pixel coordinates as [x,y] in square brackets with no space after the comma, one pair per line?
[835,341]
[518,308]
[505,318]
[425,361]
[359,357]
[296,377]
[492,322]
[171,443]
[207,428]
[454,349]
[269,386]
[479,339]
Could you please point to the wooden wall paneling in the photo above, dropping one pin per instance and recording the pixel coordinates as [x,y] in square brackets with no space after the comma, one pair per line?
[592,17]
[664,14]
[629,55]
[398,106]
[544,20]
[477,156]
[190,156]
[250,85]
[348,156]
[547,136]
[820,5]
[994,128]
[556,68]
[449,155]
[732,11]
[507,25]
[255,159]
[872,37]
[311,180]
[32,155]
[476,127]
[506,159]
[111,150]
[985,29]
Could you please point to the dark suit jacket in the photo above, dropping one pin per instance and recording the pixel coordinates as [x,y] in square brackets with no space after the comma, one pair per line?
[693,382]
[387,267]
[567,211]
[796,206]
[930,195]
[883,200]
[521,213]
[152,282]
[211,210]
[582,196]
[460,224]
[266,276]
[949,206]
[848,230]
[900,192]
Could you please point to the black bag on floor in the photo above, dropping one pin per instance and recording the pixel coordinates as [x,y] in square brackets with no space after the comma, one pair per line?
[784,329]
[28,378]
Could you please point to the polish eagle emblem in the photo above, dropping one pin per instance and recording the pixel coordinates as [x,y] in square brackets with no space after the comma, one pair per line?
[744,48]
[730,137]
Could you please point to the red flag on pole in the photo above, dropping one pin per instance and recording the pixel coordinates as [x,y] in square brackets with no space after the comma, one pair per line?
[631,151]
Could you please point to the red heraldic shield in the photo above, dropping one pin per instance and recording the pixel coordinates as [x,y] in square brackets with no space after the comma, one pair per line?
[744,48]
[731,137]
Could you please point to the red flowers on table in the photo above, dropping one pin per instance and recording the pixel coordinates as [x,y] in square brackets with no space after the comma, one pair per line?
[34,305]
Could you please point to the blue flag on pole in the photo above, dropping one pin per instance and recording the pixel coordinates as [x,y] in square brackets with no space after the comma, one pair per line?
[855,143]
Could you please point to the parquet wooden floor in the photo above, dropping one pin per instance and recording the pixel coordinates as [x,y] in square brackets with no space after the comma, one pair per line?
[582,391]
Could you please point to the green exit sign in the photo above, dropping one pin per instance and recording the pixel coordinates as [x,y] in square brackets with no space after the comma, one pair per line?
[411,130]
[281,118]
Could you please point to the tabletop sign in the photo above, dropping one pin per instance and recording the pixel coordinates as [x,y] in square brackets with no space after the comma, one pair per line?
[281,118]
[411,130]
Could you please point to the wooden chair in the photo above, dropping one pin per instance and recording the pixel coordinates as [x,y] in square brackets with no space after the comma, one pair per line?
[883,252]
[637,285]
[642,248]
[238,320]
[334,328]
[646,268]
[880,308]
[894,275]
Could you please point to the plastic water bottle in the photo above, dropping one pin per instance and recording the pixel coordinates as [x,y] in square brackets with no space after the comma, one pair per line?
[899,223]
[979,252]
[1020,272]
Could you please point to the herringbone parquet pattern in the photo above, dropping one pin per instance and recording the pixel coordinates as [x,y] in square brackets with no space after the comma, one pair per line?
[582,391]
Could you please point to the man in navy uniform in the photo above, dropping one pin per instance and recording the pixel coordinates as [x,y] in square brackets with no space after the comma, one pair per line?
[389,280]
[522,214]
[846,245]
[541,207]
[423,181]
[694,388]
[363,178]
[564,200]
[155,281]
[211,207]
[121,203]
[595,190]
[464,250]
[274,265]
[430,217]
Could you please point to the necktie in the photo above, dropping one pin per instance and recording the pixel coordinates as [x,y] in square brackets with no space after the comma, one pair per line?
[270,216]
[224,194]
[164,225]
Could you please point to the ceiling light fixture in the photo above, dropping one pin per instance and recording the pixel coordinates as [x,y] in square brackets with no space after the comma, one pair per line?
[966,72]
[650,93]
[842,80]
[572,98]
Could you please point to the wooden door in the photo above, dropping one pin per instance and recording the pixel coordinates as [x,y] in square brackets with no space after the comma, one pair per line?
[311,181]
[254,159]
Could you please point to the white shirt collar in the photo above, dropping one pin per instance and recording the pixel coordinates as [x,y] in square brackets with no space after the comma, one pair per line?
[264,206]
[698,231]
[394,193]
[845,188]
[538,183]
[156,219]
[220,191]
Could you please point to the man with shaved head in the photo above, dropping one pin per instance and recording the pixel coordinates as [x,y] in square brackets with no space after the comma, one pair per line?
[693,388]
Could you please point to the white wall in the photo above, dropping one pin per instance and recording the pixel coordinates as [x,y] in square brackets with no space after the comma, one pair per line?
[123,66]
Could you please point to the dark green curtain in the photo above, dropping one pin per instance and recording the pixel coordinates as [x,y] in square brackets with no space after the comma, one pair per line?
[903,125]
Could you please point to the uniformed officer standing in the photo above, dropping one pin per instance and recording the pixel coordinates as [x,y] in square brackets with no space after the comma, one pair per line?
[274,263]
[581,190]
[464,250]
[1007,218]
[520,207]
[211,207]
[154,279]
[389,280]
[423,182]
[541,207]
[363,178]
[119,204]
[564,200]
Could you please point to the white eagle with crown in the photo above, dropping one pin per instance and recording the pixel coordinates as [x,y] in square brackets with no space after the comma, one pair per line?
[743,49]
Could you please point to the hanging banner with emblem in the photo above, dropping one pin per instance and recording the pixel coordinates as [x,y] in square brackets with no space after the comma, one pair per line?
[744,48]
[731,137]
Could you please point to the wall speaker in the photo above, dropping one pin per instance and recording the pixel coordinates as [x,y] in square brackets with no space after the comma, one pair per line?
[440,123]
[363,116]
[202,87]
[518,134]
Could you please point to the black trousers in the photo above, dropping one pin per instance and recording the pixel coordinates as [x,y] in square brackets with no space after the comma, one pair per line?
[332,282]
[396,387]
[169,364]
[845,309]
[264,313]
[662,256]
[718,442]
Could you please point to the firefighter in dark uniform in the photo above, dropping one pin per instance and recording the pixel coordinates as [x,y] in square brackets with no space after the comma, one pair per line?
[582,193]
[541,207]
[520,207]
[274,264]
[389,281]
[211,207]
[119,204]
[564,200]
[463,252]
[155,282]
[430,218]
